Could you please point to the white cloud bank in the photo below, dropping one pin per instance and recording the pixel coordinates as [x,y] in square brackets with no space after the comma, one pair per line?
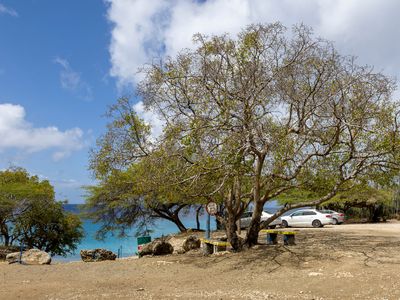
[143,30]
[17,133]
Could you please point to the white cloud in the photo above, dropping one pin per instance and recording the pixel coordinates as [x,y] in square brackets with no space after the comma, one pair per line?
[17,133]
[143,30]
[71,80]
[8,11]
[150,118]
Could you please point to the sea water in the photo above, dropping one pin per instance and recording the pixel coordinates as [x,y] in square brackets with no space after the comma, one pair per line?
[127,245]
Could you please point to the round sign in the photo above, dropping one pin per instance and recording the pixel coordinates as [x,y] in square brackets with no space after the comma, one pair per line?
[212,208]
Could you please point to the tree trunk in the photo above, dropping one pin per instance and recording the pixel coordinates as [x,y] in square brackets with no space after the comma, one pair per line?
[4,233]
[178,223]
[254,227]
[232,236]
[197,217]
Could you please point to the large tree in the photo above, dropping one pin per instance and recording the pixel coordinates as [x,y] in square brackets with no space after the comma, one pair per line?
[269,111]
[29,215]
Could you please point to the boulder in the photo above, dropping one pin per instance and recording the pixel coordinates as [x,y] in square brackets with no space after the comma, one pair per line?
[192,242]
[177,245]
[157,247]
[30,257]
[7,250]
[97,255]
[147,249]
[161,247]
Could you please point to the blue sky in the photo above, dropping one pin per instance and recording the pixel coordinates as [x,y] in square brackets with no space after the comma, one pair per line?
[63,62]
[54,63]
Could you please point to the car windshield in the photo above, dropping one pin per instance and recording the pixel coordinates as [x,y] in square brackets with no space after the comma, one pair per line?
[266,211]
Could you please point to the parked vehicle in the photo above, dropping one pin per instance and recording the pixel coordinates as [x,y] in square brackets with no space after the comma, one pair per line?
[338,218]
[265,215]
[307,218]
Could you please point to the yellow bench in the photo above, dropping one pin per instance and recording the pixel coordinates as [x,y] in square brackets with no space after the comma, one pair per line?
[213,246]
[272,236]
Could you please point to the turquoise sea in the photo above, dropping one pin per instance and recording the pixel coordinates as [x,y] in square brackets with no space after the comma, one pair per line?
[129,244]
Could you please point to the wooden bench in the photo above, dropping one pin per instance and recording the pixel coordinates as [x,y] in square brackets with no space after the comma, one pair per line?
[213,246]
[272,236]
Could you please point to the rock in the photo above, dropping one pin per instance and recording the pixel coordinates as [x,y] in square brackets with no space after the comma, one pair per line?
[97,255]
[156,247]
[13,257]
[192,242]
[147,249]
[161,247]
[7,250]
[30,257]
[177,245]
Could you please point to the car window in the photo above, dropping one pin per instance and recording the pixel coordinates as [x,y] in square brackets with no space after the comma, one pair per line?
[309,213]
[298,213]
[268,212]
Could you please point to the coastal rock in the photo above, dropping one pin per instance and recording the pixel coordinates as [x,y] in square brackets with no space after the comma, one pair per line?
[147,249]
[157,247]
[7,250]
[161,247]
[30,257]
[177,245]
[97,255]
[192,242]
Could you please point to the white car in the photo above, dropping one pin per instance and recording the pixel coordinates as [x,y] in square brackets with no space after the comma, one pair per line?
[307,218]
[338,218]
[265,215]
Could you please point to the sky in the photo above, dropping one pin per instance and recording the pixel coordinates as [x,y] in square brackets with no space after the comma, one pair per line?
[63,62]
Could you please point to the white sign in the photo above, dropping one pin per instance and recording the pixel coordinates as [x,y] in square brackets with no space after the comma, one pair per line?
[212,208]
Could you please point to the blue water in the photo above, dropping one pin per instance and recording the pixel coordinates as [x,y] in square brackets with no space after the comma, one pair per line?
[129,243]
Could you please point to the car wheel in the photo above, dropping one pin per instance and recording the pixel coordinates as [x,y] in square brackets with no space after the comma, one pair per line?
[335,221]
[316,223]
[271,226]
[284,224]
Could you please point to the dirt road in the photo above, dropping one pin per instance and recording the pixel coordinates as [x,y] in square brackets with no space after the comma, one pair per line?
[335,262]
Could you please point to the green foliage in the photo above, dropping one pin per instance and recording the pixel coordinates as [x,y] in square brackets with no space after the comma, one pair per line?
[45,225]
[30,215]
[117,205]
[126,140]
[249,118]
[362,196]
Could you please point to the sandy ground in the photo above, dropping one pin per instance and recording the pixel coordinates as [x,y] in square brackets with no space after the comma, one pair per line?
[335,262]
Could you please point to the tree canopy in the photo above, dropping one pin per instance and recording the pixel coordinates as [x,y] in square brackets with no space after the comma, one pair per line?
[250,117]
[30,216]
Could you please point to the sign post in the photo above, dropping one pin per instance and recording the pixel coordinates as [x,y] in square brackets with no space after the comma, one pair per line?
[212,209]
